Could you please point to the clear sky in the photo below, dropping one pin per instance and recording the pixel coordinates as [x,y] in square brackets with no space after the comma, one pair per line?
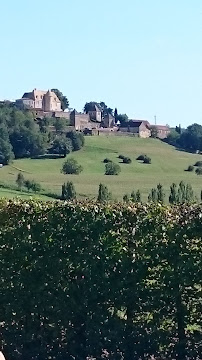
[142,56]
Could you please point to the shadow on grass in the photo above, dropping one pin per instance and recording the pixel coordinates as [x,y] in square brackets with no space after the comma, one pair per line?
[48,156]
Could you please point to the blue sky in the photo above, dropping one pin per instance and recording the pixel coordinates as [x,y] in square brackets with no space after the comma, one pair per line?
[142,56]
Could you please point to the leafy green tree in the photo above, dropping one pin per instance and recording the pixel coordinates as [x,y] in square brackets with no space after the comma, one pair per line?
[138,196]
[115,114]
[62,98]
[160,193]
[189,194]
[89,106]
[61,145]
[154,132]
[32,185]
[71,166]
[182,192]
[26,142]
[6,152]
[173,197]
[20,180]
[126,198]
[77,139]
[112,169]
[105,109]
[191,138]
[173,137]
[153,196]
[147,160]
[127,160]
[199,171]
[103,193]
[190,168]
[135,196]
[36,187]
[122,118]
[59,125]
[28,184]
[68,191]
[178,129]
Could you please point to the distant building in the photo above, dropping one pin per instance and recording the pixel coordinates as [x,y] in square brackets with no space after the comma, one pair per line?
[162,131]
[139,128]
[46,101]
[91,120]
[108,121]
[95,113]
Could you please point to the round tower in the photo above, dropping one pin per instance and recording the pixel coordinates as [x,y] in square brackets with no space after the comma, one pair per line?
[47,101]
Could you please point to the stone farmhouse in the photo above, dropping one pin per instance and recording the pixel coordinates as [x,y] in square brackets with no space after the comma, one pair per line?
[142,128]
[139,128]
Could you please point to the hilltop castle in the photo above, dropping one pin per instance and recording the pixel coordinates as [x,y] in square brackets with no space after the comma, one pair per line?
[46,101]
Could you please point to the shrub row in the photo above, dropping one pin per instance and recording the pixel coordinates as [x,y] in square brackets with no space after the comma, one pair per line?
[89,281]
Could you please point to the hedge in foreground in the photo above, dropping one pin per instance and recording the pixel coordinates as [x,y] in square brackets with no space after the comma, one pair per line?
[87,281]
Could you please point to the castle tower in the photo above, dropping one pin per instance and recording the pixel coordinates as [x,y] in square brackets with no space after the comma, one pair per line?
[47,101]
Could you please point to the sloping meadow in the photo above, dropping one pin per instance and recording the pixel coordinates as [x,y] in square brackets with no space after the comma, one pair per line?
[89,281]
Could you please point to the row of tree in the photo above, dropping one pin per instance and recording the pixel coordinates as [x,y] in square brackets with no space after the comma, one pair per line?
[179,194]
[189,139]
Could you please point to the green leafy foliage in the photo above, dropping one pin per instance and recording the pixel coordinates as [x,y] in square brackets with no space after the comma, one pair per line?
[59,124]
[112,169]
[32,185]
[71,166]
[190,168]
[20,180]
[68,191]
[199,171]
[127,160]
[62,98]
[198,163]
[154,132]
[135,196]
[106,160]
[103,193]
[141,157]
[122,118]
[61,145]
[94,281]
[157,194]
[77,139]
[147,160]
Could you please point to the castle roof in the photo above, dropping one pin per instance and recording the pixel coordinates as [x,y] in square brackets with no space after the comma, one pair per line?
[39,94]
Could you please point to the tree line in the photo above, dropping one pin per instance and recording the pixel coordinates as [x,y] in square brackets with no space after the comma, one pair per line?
[189,139]
[22,136]
[179,194]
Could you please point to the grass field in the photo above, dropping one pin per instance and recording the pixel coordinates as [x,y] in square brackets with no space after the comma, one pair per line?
[168,165]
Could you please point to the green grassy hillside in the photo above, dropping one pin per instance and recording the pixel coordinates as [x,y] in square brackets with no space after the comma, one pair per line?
[168,165]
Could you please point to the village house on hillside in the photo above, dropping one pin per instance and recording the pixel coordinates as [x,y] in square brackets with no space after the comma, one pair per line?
[139,128]
[143,128]
[46,103]
[162,131]
[92,120]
